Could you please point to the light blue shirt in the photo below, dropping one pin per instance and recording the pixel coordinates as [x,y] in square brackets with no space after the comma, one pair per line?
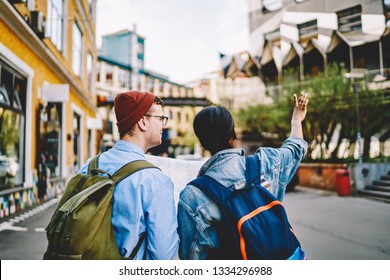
[142,202]
[199,216]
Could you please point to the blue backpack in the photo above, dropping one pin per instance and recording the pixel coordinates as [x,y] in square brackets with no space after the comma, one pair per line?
[254,223]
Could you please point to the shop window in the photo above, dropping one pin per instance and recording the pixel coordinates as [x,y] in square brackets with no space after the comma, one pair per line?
[12,126]
[76,141]
[50,139]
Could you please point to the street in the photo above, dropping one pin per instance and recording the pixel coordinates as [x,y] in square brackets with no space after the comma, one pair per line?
[329,227]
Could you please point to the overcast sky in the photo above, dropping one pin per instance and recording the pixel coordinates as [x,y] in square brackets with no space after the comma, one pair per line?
[183,38]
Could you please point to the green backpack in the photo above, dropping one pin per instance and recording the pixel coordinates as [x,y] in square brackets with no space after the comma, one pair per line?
[80,227]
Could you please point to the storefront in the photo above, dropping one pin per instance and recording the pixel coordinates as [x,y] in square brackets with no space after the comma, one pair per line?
[12,126]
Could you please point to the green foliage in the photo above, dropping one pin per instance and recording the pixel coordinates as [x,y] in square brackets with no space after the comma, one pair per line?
[332,101]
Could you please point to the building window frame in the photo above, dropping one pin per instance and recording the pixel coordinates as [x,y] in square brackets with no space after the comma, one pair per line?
[55,23]
[90,72]
[77,50]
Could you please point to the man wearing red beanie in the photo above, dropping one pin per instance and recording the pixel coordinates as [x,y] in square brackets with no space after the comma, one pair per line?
[144,201]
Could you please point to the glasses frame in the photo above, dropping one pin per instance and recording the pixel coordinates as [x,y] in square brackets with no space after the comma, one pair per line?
[164,119]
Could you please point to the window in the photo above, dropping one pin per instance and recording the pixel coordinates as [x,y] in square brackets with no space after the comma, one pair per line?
[90,73]
[386,9]
[49,138]
[140,64]
[12,126]
[308,28]
[91,8]
[55,23]
[150,84]
[98,67]
[77,50]
[350,19]
[123,77]
[109,71]
[76,141]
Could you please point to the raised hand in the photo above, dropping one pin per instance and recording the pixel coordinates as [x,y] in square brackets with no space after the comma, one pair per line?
[300,107]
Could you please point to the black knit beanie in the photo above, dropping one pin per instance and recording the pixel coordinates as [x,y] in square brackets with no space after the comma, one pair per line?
[214,127]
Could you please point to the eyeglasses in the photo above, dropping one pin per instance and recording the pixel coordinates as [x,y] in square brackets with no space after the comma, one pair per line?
[164,119]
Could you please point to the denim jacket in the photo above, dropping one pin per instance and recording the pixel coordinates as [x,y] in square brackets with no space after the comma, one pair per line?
[198,216]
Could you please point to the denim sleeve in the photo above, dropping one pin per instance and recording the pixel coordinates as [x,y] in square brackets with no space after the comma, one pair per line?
[279,165]
[195,218]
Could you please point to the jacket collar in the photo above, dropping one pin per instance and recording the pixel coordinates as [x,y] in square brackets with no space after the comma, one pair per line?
[218,156]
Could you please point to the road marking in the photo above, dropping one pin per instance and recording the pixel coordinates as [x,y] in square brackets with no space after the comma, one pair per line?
[9,225]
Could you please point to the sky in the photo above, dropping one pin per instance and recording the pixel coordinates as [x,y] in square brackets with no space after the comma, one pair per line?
[183,38]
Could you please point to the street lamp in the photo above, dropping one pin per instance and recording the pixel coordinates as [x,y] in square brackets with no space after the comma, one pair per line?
[357,73]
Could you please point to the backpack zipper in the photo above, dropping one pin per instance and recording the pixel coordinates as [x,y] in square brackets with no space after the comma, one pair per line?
[61,222]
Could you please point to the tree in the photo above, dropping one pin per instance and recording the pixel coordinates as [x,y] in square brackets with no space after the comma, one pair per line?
[331,114]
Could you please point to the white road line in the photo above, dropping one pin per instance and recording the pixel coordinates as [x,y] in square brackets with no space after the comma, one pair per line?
[9,225]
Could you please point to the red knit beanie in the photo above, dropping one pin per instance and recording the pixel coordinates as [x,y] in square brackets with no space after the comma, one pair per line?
[130,106]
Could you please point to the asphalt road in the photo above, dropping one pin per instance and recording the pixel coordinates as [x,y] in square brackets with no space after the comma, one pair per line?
[329,227]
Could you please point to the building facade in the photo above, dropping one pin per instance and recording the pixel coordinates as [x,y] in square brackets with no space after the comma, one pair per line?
[298,39]
[121,67]
[48,124]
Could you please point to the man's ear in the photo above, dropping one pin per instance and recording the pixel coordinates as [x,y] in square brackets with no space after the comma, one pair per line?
[142,123]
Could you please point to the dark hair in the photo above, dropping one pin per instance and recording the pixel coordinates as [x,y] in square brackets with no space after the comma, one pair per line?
[214,127]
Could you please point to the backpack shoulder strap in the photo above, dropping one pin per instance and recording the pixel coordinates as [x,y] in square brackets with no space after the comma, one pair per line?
[212,188]
[252,172]
[131,168]
[94,163]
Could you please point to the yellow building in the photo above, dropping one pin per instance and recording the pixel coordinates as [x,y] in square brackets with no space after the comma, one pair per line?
[48,124]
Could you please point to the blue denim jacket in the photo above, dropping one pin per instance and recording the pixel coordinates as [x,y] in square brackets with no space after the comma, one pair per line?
[198,216]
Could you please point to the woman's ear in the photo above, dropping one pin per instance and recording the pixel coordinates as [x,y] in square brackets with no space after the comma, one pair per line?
[233,139]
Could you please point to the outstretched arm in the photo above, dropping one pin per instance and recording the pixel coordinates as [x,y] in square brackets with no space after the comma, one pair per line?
[299,113]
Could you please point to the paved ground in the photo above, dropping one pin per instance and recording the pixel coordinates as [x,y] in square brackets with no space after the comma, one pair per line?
[329,227]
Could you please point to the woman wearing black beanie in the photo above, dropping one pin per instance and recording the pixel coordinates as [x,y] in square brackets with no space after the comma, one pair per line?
[214,127]
[199,217]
